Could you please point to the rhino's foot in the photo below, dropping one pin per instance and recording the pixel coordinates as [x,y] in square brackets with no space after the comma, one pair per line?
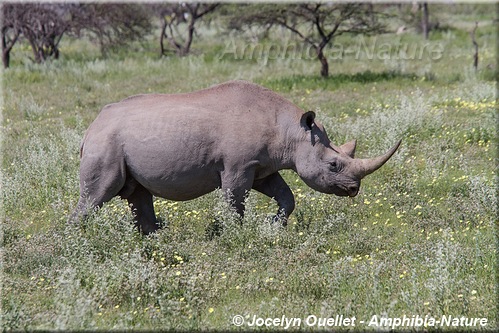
[74,218]
[80,213]
[147,228]
[280,220]
[146,223]
[214,229]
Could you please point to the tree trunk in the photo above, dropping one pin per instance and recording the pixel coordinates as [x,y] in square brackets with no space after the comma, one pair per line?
[5,53]
[187,45]
[324,63]
[6,59]
[162,38]
[36,52]
[475,45]
[425,24]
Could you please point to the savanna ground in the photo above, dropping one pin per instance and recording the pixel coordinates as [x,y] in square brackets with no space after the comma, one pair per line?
[419,239]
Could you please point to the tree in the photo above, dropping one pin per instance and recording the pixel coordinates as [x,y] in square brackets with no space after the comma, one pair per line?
[173,16]
[43,25]
[417,15]
[112,24]
[314,23]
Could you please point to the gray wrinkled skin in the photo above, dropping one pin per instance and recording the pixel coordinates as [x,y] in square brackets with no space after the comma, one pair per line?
[235,136]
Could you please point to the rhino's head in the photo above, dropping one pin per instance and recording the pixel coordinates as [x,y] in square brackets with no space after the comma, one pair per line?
[328,168]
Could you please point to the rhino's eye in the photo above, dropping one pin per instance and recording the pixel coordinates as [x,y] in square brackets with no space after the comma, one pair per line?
[333,166]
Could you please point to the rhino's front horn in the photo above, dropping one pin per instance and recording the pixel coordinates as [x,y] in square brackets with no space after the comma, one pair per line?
[369,165]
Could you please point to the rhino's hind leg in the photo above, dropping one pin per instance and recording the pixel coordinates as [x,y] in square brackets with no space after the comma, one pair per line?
[80,212]
[102,176]
[86,203]
[143,210]
[275,187]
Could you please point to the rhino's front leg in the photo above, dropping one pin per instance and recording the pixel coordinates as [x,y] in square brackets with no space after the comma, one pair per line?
[275,187]
[236,186]
[141,203]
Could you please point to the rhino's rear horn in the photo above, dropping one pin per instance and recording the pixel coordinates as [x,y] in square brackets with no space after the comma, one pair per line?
[367,166]
[349,148]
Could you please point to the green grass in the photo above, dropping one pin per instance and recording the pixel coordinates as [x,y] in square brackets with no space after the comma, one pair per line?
[418,240]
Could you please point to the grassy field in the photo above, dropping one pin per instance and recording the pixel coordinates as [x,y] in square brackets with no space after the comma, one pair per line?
[418,240]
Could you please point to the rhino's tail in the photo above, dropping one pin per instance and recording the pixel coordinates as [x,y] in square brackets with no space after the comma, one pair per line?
[81,148]
[83,144]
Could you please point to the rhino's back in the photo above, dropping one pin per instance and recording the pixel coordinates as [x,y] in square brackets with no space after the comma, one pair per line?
[231,114]
[228,100]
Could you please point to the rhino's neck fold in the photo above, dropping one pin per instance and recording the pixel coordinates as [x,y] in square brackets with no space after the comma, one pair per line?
[286,159]
[289,148]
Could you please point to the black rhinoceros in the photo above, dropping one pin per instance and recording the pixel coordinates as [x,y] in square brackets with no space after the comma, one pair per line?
[235,136]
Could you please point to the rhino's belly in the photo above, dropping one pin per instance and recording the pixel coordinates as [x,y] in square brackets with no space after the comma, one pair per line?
[180,186]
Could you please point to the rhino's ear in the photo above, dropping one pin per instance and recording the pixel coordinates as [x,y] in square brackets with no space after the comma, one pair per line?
[307,120]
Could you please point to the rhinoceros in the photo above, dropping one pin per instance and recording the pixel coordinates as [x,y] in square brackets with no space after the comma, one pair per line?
[235,136]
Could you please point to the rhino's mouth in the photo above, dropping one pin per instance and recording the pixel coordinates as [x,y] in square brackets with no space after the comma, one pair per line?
[347,191]
[353,191]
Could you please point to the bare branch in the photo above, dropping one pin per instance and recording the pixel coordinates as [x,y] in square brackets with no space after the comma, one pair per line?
[188,14]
